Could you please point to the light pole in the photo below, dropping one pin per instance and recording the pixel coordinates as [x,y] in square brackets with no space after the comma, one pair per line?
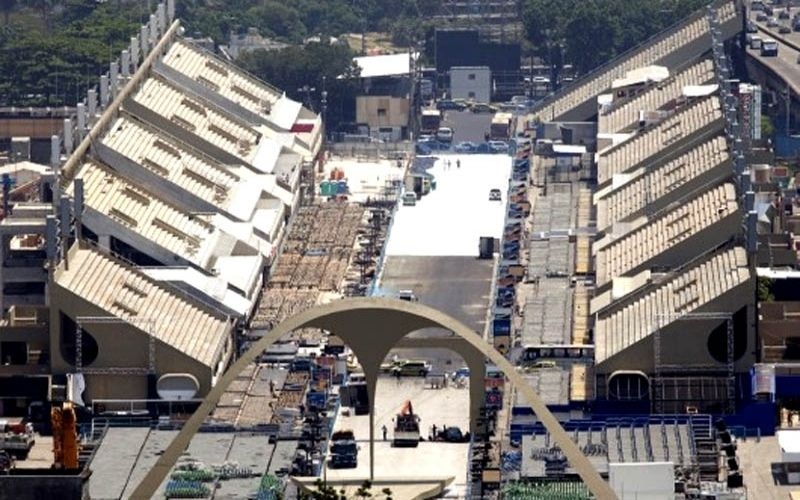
[324,95]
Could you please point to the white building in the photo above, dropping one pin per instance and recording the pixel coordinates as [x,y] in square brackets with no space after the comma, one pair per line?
[471,82]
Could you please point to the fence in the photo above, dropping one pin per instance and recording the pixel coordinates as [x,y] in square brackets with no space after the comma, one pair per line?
[371,151]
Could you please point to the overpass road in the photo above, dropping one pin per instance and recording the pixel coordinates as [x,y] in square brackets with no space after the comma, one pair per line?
[785,65]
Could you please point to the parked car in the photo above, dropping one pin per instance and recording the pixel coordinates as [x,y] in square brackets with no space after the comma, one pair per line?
[411,368]
[465,147]
[784,30]
[495,195]
[446,105]
[482,107]
[498,147]
[445,134]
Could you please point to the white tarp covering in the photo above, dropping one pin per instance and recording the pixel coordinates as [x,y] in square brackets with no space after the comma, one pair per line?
[450,220]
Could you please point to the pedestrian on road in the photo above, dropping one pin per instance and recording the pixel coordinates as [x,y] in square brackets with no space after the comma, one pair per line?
[384,432]
[433,433]
[458,163]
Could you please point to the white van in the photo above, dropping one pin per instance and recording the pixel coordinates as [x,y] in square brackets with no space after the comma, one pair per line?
[445,134]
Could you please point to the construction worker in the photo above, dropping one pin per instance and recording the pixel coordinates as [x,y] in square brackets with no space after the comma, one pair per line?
[384,430]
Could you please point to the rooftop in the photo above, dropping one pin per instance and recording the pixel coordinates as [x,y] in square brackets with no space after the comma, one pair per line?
[384,65]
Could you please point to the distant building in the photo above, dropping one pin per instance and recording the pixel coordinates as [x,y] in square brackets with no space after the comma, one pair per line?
[384,104]
[248,42]
[471,82]
[457,48]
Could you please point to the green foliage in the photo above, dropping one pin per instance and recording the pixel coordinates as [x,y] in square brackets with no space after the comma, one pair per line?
[54,62]
[593,31]
[324,491]
[297,68]
[767,128]
[405,20]
[764,290]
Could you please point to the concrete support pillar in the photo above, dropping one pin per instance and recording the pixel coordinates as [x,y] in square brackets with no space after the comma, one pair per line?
[55,151]
[113,76]
[126,63]
[91,103]
[161,18]
[104,91]
[134,50]
[68,144]
[144,40]
[81,119]
[152,26]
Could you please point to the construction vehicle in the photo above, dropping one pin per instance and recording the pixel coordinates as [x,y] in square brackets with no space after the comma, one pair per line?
[17,438]
[344,450]
[65,436]
[406,427]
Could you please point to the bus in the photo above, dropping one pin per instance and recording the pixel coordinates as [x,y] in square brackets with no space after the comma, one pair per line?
[769,48]
[430,121]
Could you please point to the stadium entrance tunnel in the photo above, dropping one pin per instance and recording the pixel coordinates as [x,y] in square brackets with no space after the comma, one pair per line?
[372,327]
[626,385]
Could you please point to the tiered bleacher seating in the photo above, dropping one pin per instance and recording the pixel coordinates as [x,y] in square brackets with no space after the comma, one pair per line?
[165,225]
[649,185]
[656,236]
[209,124]
[600,80]
[691,289]
[197,174]
[643,146]
[125,292]
[221,77]
[626,113]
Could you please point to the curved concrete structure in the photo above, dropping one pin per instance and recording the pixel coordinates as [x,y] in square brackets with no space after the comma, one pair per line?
[372,327]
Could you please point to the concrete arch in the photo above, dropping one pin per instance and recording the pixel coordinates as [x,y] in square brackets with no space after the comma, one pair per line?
[372,327]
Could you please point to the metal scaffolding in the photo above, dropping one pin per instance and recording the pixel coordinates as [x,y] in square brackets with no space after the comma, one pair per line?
[663,370]
[146,324]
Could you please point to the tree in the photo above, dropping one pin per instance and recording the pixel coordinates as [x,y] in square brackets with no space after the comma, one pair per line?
[767,128]
[326,492]
[296,69]
[7,6]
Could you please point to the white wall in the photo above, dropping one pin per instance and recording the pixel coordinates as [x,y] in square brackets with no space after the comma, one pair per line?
[642,481]
[473,83]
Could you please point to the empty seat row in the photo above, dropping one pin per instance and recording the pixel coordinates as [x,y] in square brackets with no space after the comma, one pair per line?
[154,220]
[655,97]
[645,145]
[170,161]
[648,185]
[207,123]
[693,288]
[656,236]
[652,53]
[126,292]
[226,80]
